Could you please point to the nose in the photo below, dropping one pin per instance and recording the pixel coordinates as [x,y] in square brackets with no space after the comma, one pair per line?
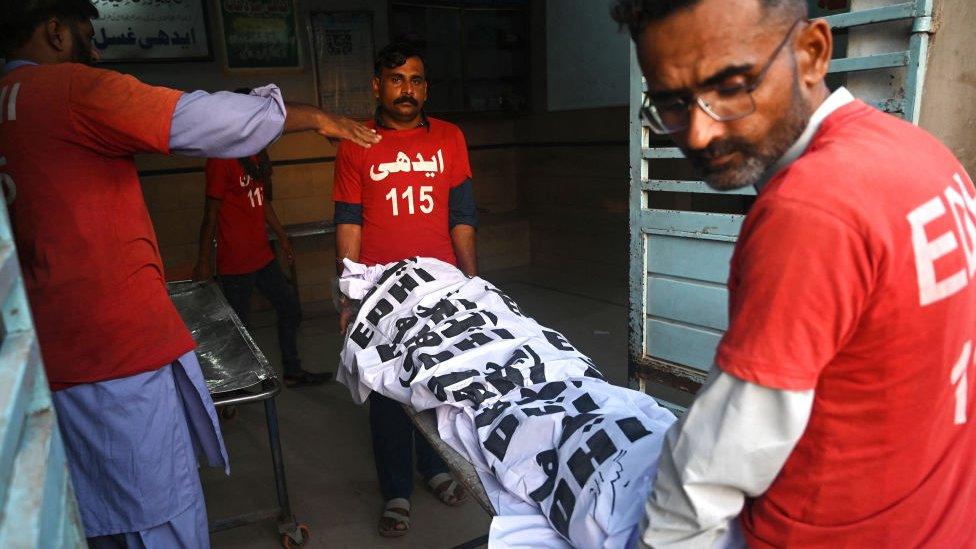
[702,129]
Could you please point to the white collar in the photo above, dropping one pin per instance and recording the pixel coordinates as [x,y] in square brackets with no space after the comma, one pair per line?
[836,100]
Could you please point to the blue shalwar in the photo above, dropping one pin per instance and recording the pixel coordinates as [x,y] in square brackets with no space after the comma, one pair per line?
[132,447]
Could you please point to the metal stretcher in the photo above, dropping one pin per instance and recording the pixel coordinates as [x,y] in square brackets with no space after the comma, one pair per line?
[463,471]
[237,372]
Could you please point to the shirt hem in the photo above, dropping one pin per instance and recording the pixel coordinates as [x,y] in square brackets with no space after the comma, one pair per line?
[182,349]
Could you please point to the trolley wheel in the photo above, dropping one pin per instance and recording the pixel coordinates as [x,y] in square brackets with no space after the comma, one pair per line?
[288,540]
[228,412]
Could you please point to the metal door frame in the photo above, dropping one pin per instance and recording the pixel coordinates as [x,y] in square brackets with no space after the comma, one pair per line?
[37,498]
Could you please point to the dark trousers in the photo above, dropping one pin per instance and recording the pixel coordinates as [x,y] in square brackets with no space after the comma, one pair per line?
[271,282]
[394,440]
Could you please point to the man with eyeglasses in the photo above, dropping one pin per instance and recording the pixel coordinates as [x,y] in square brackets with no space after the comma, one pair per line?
[841,408]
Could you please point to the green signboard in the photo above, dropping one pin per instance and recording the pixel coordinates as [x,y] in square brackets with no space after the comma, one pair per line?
[260,34]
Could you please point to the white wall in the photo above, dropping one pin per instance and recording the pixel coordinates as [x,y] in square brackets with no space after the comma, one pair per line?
[588,58]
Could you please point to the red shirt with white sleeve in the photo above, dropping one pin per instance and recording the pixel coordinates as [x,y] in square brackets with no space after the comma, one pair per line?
[853,277]
[403,183]
[86,245]
[242,240]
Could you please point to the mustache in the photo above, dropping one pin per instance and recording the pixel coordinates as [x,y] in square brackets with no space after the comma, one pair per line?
[717,149]
[405,99]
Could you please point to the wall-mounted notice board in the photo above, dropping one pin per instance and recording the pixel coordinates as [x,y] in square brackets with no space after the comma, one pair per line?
[260,34]
[152,30]
[342,58]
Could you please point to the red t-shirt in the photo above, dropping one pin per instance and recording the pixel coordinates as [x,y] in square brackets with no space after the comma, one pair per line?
[86,244]
[242,240]
[404,183]
[852,276]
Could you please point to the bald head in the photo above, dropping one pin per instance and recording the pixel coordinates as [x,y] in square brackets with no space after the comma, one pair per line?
[636,14]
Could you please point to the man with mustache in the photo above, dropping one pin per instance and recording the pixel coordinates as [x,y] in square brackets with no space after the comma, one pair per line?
[841,410]
[410,196]
[131,402]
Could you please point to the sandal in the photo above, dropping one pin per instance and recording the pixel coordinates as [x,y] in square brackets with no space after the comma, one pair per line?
[306,378]
[395,520]
[447,490]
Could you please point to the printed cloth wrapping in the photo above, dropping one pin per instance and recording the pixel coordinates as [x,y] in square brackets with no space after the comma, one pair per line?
[554,443]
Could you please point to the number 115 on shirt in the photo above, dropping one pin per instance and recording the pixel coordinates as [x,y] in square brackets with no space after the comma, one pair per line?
[425,199]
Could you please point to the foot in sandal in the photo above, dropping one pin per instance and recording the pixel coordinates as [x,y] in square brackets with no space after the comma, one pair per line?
[447,490]
[395,520]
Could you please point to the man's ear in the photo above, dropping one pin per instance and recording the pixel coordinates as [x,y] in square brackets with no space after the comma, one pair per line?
[376,87]
[815,48]
[57,34]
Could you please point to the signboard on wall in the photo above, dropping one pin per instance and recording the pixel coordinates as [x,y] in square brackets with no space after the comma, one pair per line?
[342,54]
[151,30]
[260,34]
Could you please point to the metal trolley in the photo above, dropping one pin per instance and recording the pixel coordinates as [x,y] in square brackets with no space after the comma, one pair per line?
[236,373]
[463,471]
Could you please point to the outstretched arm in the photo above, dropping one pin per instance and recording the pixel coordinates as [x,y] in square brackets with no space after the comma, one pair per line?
[233,125]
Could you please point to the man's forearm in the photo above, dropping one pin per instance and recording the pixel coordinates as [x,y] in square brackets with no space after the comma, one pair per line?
[349,238]
[233,125]
[730,445]
[301,117]
[207,231]
[463,240]
[271,218]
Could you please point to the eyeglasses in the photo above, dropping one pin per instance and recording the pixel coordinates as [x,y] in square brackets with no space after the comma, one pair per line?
[722,102]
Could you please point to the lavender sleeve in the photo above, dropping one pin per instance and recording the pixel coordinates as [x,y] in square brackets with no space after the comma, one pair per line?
[226,124]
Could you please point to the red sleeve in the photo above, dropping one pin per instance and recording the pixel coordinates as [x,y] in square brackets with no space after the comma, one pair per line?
[347,185]
[800,279]
[460,165]
[216,178]
[119,115]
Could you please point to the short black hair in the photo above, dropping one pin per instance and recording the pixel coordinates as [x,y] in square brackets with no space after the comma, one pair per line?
[396,54]
[636,14]
[19,18]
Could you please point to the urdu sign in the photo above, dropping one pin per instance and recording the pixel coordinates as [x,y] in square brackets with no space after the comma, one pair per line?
[142,30]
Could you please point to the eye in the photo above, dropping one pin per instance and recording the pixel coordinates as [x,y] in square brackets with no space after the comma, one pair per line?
[732,88]
[417,81]
[671,104]
[396,79]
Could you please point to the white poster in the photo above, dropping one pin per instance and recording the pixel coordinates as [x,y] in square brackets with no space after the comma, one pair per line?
[342,46]
[137,30]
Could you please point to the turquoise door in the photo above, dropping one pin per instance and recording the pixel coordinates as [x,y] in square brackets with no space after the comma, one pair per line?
[38,504]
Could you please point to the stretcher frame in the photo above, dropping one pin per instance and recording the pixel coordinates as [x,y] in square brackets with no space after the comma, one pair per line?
[462,469]
[292,532]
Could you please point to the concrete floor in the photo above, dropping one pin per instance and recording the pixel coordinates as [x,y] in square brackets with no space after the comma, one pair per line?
[325,437]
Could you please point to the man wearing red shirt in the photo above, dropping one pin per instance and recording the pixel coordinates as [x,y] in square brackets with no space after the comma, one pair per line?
[132,405]
[410,196]
[841,412]
[238,208]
